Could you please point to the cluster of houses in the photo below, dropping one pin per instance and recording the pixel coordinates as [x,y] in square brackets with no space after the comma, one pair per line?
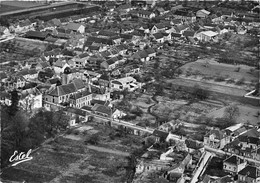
[239,142]
[175,159]
[238,139]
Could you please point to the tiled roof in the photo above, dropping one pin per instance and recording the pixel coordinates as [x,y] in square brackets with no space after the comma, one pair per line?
[250,171]
[161,134]
[219,134]
[102,109]
[251,140]
[150,50]
[158,35]
[68,88]
[73,26]
[80,94]
[235,160]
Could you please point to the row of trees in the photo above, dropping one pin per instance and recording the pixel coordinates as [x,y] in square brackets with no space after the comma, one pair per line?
[21,133]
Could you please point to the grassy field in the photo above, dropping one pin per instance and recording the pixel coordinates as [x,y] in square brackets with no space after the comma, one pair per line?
[219,69]
[248,114]
[7,6]
[19,49]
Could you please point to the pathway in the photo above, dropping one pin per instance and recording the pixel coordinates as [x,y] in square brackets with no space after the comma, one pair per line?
[102,149]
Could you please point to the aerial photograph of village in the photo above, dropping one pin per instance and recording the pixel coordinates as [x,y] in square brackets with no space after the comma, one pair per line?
[130,91]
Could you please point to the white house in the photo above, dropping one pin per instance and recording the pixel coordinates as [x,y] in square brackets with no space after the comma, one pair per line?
[31,99]
[125,83]
[59,66]
[206,35]
[75,27]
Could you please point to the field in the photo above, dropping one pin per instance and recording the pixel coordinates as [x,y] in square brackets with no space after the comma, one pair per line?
[19,49]
[248,114]
[7,6]
[215,69]
[70,159]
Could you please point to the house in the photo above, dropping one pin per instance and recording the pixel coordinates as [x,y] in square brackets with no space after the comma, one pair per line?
[59,66]
[30,99]
[159,27]
[159,135]
[76,115]
[80,99]
[151,53]
[112,63]
[141,55]
[256,154]
[122,48]
[4,32]
[249,142]
[15,82]
[145,14]
[37,35]
[3,77]
[206,36]
[61,94]
[188,33]
[180,28]
[249,174]
[161,11]
[125,7]
[5,98]
[202,13]
[216,139]
[234,164]
[159,38]
[102,110]
[42,66]
[75,27]
[125,83]
[167,36]
[225,179]
[28,74]
[104,80]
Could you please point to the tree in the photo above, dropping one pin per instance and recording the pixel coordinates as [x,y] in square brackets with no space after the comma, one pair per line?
[4,22]
[200,93]
[231,112]
[93,139]
[13,108]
